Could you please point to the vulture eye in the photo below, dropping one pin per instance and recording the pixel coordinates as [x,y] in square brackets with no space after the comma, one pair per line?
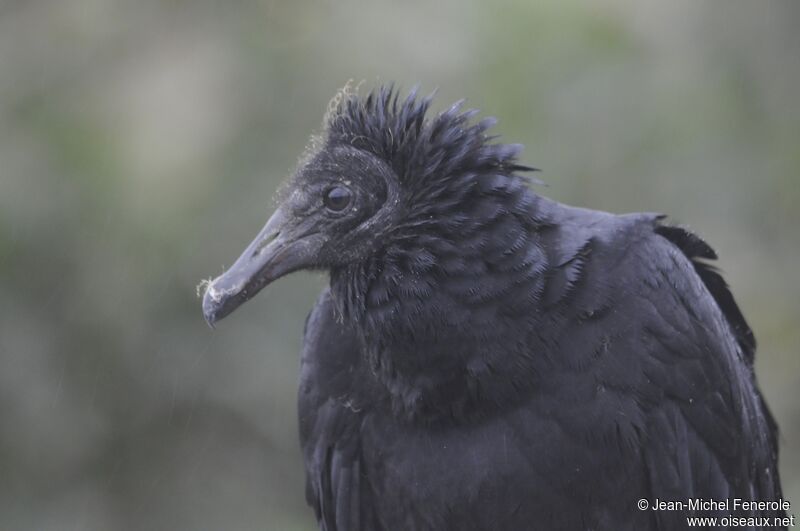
[337,198]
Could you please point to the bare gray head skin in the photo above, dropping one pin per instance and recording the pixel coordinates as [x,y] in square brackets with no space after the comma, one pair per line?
[381,176]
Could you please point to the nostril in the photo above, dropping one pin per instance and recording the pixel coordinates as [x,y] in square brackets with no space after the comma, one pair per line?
[264,242]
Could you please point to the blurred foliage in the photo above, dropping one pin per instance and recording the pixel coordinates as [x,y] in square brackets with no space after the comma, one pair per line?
[141,144]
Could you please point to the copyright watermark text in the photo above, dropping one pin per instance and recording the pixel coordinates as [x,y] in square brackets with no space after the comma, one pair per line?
[735,507]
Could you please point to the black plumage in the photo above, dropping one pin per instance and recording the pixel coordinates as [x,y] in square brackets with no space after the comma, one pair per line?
[486,358]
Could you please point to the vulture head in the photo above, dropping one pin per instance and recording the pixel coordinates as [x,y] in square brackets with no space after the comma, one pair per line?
[387,192]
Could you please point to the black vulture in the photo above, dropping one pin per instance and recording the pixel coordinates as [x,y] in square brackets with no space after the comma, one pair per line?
[487,358]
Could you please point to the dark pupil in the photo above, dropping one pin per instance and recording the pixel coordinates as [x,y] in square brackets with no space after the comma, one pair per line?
[337,198]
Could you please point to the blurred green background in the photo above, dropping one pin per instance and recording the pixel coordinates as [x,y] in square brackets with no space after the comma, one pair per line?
[140,147]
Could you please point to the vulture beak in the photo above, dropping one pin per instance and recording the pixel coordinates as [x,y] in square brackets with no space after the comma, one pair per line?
[274,253]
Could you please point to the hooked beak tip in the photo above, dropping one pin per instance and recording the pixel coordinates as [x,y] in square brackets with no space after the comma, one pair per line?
[214,303]
[223,295]
[209,309]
